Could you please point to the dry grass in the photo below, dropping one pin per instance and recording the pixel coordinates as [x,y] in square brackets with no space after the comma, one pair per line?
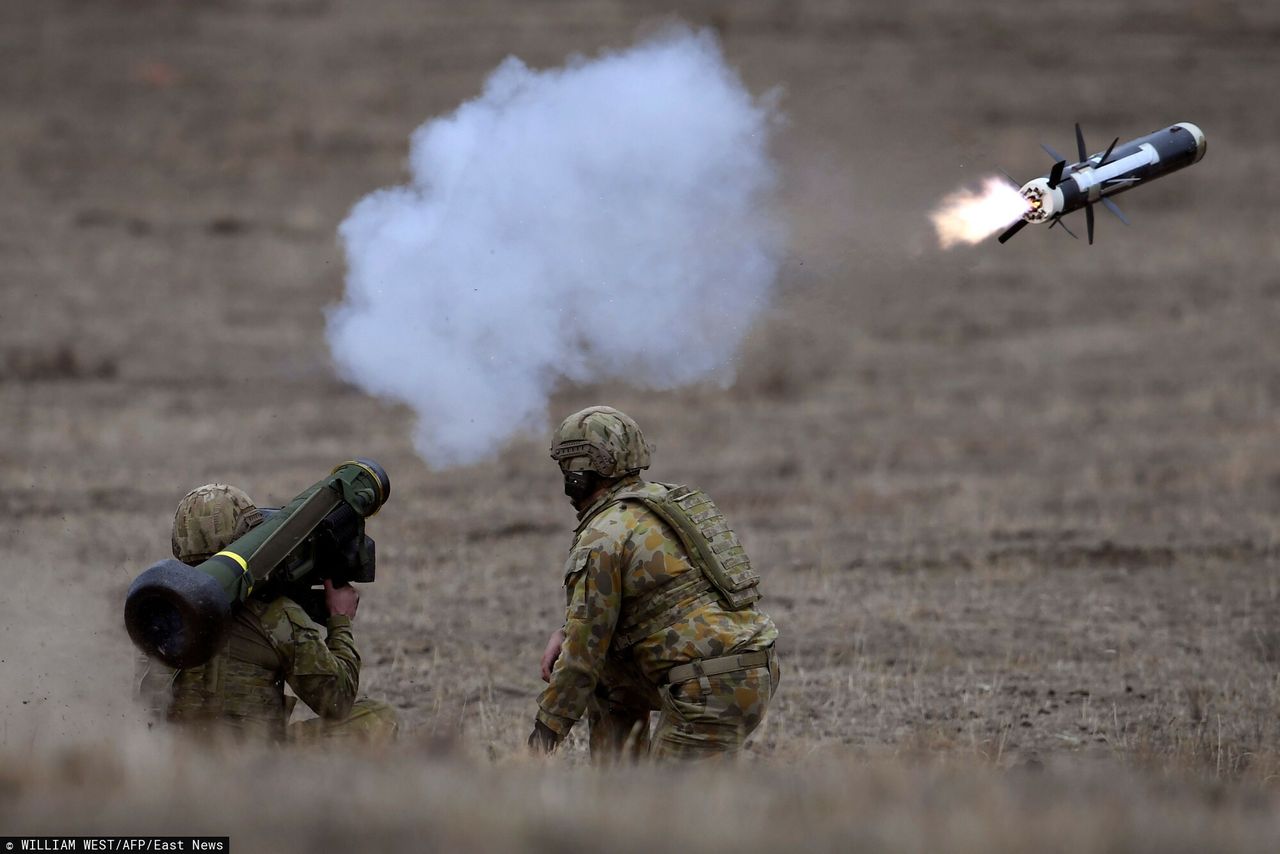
[418,800]
[1017,506]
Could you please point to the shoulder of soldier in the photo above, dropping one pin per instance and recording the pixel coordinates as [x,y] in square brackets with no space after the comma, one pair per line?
[631,502]
[616,522]
[280,617]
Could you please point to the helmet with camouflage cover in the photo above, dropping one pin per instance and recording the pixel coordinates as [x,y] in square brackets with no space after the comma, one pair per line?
[210,518]
[600,439]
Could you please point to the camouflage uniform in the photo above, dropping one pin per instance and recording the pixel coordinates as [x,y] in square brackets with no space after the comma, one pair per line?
[241,689]
[646,629]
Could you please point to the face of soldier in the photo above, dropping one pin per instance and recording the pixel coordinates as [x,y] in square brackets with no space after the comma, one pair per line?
[580,484]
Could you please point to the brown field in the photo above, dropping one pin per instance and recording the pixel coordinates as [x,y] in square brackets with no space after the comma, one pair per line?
[1018,507]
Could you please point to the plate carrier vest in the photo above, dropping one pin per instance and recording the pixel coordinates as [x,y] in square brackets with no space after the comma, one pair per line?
[724,570]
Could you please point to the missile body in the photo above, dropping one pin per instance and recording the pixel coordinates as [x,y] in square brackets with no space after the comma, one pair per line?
[1069,188]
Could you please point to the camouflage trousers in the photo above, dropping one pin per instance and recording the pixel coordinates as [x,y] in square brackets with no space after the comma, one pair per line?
[700,718]
[370,722]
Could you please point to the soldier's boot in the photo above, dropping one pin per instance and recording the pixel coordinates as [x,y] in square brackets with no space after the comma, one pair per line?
[711,716]
[370,722]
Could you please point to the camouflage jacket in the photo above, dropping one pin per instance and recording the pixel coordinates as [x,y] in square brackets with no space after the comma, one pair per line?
[622,552]
[241,689]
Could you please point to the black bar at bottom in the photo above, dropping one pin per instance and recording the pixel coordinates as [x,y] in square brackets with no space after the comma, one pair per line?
[17,844]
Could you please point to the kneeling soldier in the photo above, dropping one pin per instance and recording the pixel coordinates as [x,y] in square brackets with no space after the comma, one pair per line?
[661,609]
[272,641]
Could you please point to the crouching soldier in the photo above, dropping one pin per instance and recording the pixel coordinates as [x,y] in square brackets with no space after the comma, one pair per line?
[661,610]
[240,691]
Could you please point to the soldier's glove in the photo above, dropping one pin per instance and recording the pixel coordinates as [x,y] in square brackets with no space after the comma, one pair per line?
[543,740]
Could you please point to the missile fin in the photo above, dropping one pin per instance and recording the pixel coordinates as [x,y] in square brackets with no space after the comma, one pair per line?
[1088,221]
[1055,176]
[1049,151]
[1084,152]
[1011,180]
[1107,156]
[1115,209]
[1012,230]
[1058,221]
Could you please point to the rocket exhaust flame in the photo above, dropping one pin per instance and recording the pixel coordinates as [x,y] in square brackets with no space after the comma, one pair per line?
[970,216]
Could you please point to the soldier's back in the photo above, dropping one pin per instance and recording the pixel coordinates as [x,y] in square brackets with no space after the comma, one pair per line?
[672,611]
[240,690]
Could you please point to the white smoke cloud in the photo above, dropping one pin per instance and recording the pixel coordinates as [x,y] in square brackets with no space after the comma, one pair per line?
[608,220]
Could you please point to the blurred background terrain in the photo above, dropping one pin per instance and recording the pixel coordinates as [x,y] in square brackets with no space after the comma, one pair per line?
[1016,506]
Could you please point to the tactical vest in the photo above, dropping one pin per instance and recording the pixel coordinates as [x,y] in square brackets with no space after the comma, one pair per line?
[724,570]
[240,686]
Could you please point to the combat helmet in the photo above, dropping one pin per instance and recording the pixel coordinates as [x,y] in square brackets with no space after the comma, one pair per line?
[600,439]
[209,518]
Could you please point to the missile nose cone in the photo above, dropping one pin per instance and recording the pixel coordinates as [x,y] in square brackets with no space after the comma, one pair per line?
[1201,142]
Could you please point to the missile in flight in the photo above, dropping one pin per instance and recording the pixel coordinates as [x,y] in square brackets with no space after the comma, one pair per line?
[1095,179]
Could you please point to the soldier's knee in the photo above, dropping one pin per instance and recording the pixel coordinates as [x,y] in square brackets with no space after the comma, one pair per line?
[375,720]
[370,722]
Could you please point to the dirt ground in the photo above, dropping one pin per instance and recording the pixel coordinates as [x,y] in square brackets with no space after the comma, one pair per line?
[1017,507]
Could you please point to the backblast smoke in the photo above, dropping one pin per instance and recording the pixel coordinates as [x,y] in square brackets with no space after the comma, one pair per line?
[607,220]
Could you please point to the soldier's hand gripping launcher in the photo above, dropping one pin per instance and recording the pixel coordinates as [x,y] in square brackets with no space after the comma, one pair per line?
[180,614]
